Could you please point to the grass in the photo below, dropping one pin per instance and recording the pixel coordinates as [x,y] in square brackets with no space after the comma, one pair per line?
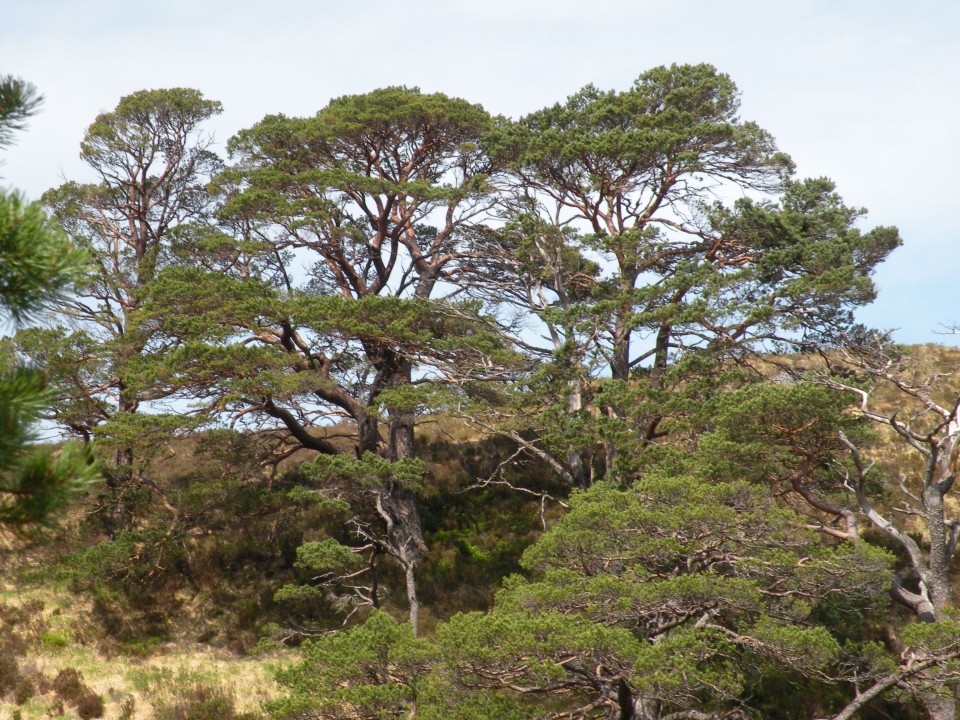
[130,686]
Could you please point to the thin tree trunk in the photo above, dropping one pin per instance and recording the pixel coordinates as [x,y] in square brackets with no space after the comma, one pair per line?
[397,507]
[412,598]
[575,457]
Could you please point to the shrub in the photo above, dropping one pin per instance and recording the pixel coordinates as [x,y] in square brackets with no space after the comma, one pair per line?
[70,687]
[127,708]
[56,638]
[90,706]
[19,624]
[9,674]
[24,690]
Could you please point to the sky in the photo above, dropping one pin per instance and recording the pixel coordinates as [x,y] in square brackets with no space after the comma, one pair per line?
[866,93]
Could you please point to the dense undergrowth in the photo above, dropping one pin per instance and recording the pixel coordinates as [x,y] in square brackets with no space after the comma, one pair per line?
[147,620]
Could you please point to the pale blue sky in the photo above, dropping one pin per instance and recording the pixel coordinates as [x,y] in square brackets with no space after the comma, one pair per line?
[864,92]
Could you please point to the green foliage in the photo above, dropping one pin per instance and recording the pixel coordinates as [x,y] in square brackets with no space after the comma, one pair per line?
[670,115]
[39,266]
[682,562]
[18,101]
[38,269]
[67,358]
[328,555]
[679,581]
[369,471]
[772,433]
[808,254]
[137,117]
[147,434]
[195,304]
[649,288]
[379,670]
[35,484]
[61,637]
[374,669]
[150,162]
[690,592]
[933,638]
[213,529]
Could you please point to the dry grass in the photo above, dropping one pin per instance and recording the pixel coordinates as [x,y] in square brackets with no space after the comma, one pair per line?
[129,686]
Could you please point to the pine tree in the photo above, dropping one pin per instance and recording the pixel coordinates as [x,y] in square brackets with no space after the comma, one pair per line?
[38,268]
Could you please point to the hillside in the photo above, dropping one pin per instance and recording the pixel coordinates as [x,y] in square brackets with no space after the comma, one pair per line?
[179,617]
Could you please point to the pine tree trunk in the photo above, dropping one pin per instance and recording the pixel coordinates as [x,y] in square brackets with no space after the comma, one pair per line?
[117,512]
[401,434]
[414,603]
[398,508]
[575,457]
